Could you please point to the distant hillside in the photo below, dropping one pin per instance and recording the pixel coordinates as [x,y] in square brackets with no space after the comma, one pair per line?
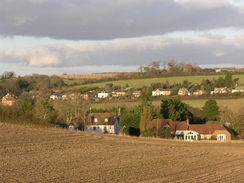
[91,76]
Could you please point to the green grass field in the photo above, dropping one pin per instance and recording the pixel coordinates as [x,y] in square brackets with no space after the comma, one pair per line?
[137,83]
[236,105]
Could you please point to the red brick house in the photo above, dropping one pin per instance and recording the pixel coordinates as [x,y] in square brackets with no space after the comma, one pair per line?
[8,100]
[185,131]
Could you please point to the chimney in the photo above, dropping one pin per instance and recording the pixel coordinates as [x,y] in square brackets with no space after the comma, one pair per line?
[187,121]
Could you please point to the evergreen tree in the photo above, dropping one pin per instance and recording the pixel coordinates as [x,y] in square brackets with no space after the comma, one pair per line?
[210,110]
[131,118]
[146,118]
[174,109]
[228,80]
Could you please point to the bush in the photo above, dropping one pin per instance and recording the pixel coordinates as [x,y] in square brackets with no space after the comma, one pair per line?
[125,131]
[168,133]
[148,133]
[213,137]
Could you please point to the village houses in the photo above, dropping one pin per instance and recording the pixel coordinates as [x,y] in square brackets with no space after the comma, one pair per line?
[56,95]
[238,90]
[136,94]
[183,92]
[162,92]
[103,94]
[119,94]
[220,91]
[199,93]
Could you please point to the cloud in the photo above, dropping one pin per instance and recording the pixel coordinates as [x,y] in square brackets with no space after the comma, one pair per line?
[106,19]
[206,47]
[36,56]
[204,3]
[219,54]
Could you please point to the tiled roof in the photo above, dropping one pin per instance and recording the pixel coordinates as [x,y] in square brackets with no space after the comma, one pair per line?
[206,128]
[182,125]
[101,118]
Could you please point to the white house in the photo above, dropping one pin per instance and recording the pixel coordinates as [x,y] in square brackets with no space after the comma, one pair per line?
[199,92]
[119,93]
[136,94]
[238,90]
[203,132]
[187,135]
[56,96]
[103,123]
[183,92]
[162,92]
[185,131]
[220,91]
[102,94]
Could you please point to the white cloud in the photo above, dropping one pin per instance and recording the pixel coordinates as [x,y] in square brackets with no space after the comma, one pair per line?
[190,46]
[35,56]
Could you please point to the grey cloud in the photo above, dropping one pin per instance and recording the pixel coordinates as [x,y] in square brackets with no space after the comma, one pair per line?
[106,19]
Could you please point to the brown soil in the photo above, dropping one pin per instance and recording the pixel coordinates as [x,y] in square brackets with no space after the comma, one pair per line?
[54,155]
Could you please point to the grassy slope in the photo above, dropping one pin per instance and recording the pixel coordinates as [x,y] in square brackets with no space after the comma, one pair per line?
[146,82]
[236,105]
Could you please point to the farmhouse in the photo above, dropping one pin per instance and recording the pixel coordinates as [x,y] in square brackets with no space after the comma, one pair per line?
[186,131]
[163,92]
[8,100]
[103,123]
[183,92]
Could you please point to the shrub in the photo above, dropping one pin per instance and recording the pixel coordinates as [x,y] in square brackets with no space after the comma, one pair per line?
[148,133]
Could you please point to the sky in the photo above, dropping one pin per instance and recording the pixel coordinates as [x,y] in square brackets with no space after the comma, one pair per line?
[92,36]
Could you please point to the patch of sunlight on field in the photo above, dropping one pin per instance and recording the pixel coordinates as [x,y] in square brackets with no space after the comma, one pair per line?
[137,83]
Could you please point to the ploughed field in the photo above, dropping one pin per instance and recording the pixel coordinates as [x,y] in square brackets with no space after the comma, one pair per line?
[54,155]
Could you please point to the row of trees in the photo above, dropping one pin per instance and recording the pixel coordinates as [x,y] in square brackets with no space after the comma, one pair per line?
[41,84]
[171,66]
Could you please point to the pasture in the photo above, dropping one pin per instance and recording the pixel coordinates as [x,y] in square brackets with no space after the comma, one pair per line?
[55,155]
[236,105]
[137,83]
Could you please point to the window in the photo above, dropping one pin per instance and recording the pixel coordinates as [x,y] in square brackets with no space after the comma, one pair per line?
[106,120]
[95,120]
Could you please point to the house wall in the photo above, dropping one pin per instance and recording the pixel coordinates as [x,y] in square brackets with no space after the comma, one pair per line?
[102,95]
[225,132]
[100,128]
[8,102]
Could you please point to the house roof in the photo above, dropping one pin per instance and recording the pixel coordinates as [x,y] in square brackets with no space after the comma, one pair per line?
[174,125]
[100,117]
[57,94]
[163,89]
[8,97]
[182,125]
[206,128]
